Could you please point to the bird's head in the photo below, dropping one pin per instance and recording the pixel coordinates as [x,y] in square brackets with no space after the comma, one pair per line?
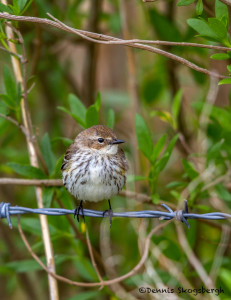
[98,138]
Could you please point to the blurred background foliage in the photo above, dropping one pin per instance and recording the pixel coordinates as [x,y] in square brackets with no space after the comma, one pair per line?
[176,123]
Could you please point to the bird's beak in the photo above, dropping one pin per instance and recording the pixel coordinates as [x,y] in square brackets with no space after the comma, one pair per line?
[117,141]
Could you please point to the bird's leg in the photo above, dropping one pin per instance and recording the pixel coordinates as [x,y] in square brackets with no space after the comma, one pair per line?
[77,210]
[109,212]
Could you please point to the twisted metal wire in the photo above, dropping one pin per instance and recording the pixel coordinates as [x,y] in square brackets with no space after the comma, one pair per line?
[6,210]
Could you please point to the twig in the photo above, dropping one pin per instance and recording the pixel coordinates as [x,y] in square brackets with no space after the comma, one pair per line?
[94,284]
[108,40]
[21,79]
[92,256]
[80,236]
[110,262]
[11,53]
[13,121]
[224,243]
[196,264]
[31,182]
[58,182]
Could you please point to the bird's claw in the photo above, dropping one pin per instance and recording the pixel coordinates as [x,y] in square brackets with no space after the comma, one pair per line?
[109,212]
[77,210]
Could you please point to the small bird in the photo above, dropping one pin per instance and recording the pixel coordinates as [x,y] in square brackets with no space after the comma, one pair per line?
[94,167]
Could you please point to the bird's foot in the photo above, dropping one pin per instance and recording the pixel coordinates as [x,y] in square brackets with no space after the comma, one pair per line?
[109,213]
[77,210]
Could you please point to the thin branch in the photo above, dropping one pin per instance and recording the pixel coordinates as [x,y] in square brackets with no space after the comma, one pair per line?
[194,261]
[108,40]
[11,53]
[217,260]
[94,284]
[31,182]
[58,182]
[92,256]
[13,121]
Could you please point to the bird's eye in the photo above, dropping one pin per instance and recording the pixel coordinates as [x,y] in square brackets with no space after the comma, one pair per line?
[100,140]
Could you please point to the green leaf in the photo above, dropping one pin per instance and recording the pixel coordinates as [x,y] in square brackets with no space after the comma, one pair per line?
[175,184]
[163,115]
[199,7]
[48,193]
[225,275]
[21,4]
[85,268]
[77,108]
[26,7]
[86,295]
[10,85]
[57,169]
[222,13]
[10,102]
[47,153]
[66,141]
[184,2]
[222,116]
[27,170]
[158,147]
[77,119]
[164,28]
[176,108]
[189,169]
[202,28]
[214,151]
[160,165]
[97,103]
[16,5]
[110,118]
[4,8]
[92,116]
[220,56]
[229,68]
[218,27]
[144,137]
[26,265]
[223,193]
[133,178]
[225,81]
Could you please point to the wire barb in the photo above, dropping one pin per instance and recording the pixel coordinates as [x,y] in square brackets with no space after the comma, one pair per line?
[6,210]
[5,213]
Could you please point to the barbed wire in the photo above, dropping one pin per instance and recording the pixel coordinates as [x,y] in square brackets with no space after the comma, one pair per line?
[6,210]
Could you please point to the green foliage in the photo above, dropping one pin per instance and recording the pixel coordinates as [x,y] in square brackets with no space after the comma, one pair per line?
[143,137]
[84,117]
[153,152]
[110,118]
[27,170]
[185,2]
[181,126]
[13,91]
[85,295]
[220,56]
[47,153]
[199,7]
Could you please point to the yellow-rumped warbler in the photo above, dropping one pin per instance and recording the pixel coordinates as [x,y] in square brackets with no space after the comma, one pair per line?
[94,167]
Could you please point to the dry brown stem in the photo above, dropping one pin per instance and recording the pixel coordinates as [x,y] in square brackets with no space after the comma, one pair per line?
[20,77]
